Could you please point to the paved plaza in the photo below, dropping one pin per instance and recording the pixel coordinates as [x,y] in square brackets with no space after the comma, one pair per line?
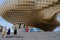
[33,36]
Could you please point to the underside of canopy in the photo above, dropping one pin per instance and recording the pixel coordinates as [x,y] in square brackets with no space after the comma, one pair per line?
[37,13]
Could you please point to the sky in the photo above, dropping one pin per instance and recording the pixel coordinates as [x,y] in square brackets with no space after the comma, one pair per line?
[57,29]
[58,17]
[2,2]
[5,23]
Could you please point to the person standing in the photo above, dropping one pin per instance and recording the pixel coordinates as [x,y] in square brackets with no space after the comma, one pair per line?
[24,26]
[27,29]
[19,25]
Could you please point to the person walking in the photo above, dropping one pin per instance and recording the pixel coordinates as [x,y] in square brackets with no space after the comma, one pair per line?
[8,32]
[3,32]
[15,31]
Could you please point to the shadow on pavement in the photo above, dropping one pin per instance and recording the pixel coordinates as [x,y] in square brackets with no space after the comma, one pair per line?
[14,37]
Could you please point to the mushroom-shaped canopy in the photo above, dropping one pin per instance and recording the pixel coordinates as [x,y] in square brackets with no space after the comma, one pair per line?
[30,12]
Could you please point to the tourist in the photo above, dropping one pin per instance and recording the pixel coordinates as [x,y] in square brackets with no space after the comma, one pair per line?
[15,31]
[19,25]
[8,32]
[3,32]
